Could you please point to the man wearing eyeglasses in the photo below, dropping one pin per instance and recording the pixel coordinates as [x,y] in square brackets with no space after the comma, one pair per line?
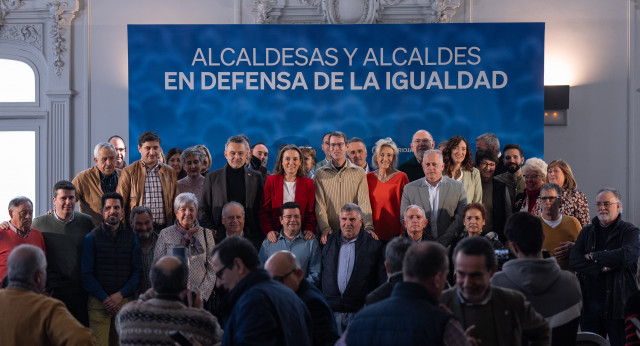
[604,256]
[560,231]
[337,183]
[257,310]
[420,142]
[291,239]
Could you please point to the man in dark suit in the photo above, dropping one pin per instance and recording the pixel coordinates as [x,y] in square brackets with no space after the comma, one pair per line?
[351,266]
[233,182]
[501,316]
[284,267]
[445,220]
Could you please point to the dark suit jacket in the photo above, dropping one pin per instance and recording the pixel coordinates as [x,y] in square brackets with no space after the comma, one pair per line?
[214,197]
[452,200]
[323,330]
[513,317]
[272,201]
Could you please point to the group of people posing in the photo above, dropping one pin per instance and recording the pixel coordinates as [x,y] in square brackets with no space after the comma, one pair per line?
[161,248]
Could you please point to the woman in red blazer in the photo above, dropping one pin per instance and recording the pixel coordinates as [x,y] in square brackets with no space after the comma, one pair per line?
[288,183]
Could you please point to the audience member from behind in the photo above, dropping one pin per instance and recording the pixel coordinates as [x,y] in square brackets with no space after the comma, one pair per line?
[173,160]
[513,160]
[501,316]
[307,251]
[351,266]
[605,257]
[110,268]
[411,316]
[385,189]
[574,202]
[192,159]
[19,231]
[151,322]
[63,232]
[560,231]
[393,255]
[257,310]
[150,183]
[458,165]
[535,175]
[121,151]
[495,195]
[415,223]
[28,316]
[288,184]
[441,197]
[420,143]
[92,183]
[284,267]
[553,292]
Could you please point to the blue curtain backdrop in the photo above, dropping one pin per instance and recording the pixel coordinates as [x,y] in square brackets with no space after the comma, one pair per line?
[188,114]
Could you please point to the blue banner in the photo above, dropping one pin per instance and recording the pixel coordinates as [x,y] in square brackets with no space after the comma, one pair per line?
[200,84]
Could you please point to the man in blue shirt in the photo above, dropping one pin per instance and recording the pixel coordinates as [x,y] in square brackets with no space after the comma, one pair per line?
[110,268]
[291,239]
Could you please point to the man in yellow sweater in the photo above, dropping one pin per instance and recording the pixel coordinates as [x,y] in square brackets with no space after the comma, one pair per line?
[560,231]
[28,317]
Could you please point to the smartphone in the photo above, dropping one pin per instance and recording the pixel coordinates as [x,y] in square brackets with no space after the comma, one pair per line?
[180,338]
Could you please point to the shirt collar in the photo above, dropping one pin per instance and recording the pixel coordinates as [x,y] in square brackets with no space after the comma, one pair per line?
[73,215]
[433,186]
[281,235]
[23,234]
[155,168]
[345,241]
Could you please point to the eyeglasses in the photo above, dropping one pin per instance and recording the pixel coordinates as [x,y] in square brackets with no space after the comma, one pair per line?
[283,277]
[605,204]
[549,199]
[220,272]
[487,164]
[289,217]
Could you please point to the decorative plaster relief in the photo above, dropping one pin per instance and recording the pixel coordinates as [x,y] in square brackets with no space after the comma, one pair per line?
[29,33]
[58,30]
[8,5]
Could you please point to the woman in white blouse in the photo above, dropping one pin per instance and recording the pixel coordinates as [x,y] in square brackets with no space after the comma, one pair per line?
[458,165]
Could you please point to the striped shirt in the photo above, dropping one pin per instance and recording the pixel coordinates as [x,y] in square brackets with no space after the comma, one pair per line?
[335,188]
[153,194]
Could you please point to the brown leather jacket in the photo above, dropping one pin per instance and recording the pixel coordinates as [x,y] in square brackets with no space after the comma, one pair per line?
[131,187]
[89,192]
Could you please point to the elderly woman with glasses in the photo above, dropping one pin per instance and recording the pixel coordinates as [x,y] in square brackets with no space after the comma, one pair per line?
[574,202]
[196,240]
[288,184]
[535,175]
[385,189]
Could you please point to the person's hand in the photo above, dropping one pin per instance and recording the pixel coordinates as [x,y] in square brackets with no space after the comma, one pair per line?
[562,251]
[49,212]
[325,236]
[4,225]
[467,333]
[149,294]
[112,303]
[373,234]
[272,236]
[308,235]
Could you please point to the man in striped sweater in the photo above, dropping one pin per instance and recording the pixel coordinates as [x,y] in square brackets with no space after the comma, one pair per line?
[337,183]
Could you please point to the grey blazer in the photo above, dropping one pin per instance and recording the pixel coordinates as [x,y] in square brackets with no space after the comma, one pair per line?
[214,197]
[452,200]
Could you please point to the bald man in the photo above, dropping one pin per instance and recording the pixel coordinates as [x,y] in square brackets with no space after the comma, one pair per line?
[285,268]
[420,142]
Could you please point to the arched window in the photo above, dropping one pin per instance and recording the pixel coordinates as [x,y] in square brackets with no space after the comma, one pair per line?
[17,81]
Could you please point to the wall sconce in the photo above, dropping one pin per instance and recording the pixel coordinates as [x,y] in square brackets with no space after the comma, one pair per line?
[556,104]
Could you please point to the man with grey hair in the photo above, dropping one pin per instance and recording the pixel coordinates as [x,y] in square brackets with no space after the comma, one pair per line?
[30,317]
[357,153]
[19,231]
[233,182]
[441,197]
[393,254]
[415,222]
[92,183]
[351,266]
[605,256]
[420,142]
[337,183]
[489,141]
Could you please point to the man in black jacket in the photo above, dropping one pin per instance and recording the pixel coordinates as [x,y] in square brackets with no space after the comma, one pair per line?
[393,254]
[284,267]
[351,266]
[604,256]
